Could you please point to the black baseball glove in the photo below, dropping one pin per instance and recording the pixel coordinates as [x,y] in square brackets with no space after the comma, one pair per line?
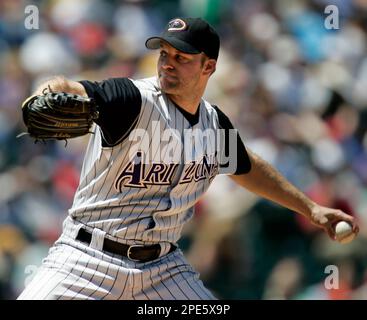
[58,115]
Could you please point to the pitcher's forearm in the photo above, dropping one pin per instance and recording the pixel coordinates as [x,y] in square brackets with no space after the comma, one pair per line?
[267,182]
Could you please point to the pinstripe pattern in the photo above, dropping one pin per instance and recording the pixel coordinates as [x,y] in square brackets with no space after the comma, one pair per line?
[127,213]
[133,203]
[75,271]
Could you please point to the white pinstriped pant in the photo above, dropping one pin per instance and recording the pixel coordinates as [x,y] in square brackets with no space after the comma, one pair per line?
[74,270]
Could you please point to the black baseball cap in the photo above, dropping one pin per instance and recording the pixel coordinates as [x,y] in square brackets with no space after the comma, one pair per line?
[189,35]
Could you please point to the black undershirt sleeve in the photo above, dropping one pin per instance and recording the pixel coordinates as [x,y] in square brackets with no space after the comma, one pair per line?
[243,163]
[119,102]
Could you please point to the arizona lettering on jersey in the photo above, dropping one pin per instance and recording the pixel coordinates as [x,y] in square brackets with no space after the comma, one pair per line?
[139,175]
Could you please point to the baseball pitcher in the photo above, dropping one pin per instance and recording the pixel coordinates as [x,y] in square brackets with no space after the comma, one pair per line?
[156,145]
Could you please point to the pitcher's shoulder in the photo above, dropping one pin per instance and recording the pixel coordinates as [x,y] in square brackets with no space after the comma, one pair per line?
[209,107]
[147,84]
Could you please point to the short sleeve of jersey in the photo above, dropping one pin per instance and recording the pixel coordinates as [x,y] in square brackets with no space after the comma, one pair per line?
[233,155]
[119,102]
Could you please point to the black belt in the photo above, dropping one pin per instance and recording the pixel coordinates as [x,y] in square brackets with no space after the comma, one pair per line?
[139,253]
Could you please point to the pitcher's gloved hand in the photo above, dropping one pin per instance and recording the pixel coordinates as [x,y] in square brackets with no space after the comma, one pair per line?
[58,115]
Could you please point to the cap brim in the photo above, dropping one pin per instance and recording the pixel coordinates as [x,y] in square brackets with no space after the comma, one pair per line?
[155,43]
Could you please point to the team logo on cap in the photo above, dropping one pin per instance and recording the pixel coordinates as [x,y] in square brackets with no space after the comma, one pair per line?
[176,25]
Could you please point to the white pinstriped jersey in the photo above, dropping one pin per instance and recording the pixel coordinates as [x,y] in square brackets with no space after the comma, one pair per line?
[139,190]
[150,201]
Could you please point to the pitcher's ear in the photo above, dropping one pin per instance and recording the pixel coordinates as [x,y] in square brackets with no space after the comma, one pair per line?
[210,66]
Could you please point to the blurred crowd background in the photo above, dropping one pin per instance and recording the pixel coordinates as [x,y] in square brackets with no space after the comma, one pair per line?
[296,90]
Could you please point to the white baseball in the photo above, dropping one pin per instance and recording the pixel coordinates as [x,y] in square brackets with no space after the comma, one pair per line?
[344,232]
